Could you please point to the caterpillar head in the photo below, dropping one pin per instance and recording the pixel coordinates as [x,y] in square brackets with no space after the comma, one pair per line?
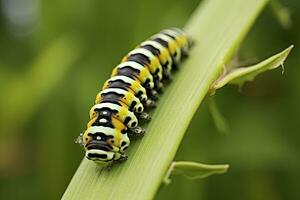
[104,145]
[100,152]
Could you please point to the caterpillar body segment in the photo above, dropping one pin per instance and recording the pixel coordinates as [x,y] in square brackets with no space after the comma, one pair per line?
[136,70]
[181,40]
[110,138]
[121,113]
[162,53]
[116,95]
[139,73]
[146,58]
[126,83]
[171,45]
[190,42]
[106,118]
[129,93]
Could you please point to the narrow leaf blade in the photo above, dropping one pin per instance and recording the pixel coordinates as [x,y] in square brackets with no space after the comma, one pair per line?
[193,170]
[240,75]
[219,120]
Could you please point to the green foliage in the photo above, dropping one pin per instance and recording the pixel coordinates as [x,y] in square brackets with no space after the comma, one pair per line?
[219,120]
[149,158]
[239,76]
[40,118]
[193,170]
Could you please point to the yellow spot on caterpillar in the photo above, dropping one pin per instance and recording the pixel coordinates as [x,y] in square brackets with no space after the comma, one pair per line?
[117,124]
[114,72]
[173,47]
[98,98]
[135,86]
[123,112]
[124,59]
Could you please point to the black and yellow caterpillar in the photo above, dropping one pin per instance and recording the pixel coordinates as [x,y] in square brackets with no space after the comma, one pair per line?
[133,88]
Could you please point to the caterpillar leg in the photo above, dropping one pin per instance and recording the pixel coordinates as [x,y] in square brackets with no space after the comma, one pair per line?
[159,86]
[154,95]
[169,77]
[121,158]
[161,89]
[167,74]
[185,52]
[144,116]
[137,132]
[79,140]
[150,103]
[175,64]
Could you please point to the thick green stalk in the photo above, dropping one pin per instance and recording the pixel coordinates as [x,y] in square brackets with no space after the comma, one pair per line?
[217,27]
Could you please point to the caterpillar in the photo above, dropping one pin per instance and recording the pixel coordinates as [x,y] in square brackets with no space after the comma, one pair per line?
[132,89]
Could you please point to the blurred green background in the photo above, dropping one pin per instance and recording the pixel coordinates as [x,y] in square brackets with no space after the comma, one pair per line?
[55,56]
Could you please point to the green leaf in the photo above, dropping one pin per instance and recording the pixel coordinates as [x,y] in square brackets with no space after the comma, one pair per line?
[219,120]
[218,27]
[193,170]
[239,76]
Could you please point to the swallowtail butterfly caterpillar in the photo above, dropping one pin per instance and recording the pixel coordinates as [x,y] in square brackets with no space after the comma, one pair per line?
[132,89]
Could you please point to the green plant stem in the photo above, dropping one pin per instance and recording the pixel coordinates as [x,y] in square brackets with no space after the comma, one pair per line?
[217,27]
